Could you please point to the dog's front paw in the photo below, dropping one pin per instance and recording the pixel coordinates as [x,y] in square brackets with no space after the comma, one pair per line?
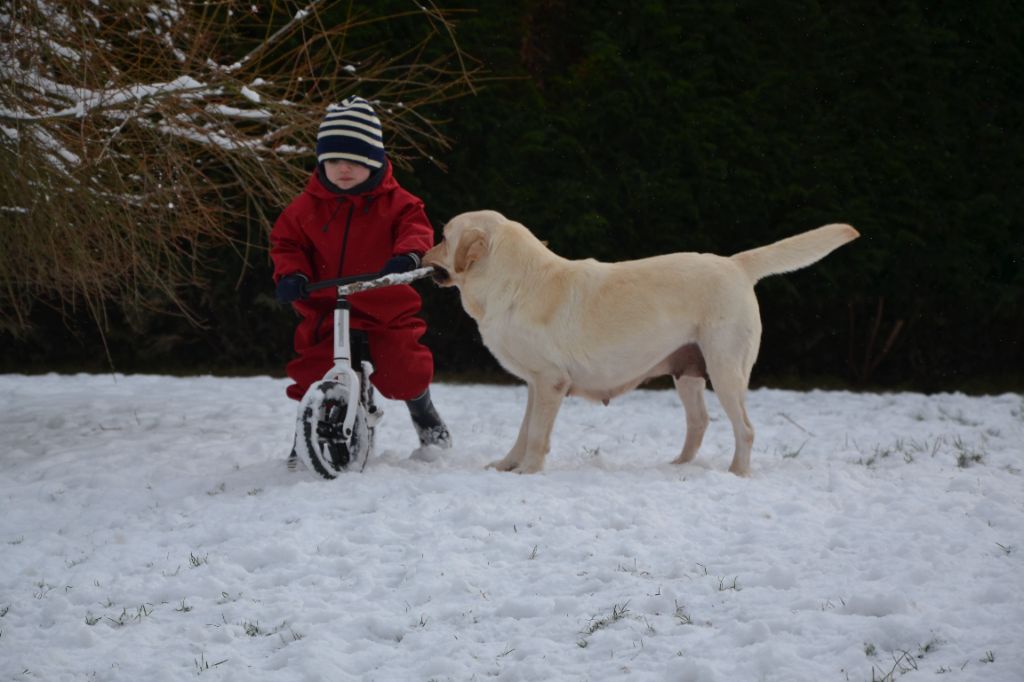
[529,467]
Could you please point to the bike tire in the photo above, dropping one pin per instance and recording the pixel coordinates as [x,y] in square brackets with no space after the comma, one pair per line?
[322,409]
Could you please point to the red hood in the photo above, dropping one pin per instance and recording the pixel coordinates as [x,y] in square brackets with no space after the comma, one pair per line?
[317,189]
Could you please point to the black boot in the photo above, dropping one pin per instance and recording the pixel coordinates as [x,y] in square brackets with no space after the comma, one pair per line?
[429,426]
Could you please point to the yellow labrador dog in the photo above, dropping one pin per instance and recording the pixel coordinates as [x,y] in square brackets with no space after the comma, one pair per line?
[598,330]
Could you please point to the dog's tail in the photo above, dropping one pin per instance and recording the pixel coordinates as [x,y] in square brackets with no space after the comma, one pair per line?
[794,252]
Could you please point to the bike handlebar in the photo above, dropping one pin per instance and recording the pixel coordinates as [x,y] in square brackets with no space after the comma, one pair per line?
[372,280]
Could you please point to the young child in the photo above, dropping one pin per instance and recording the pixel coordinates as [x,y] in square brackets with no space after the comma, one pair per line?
[354,218]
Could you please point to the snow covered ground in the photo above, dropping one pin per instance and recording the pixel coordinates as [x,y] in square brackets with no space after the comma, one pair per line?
[149,530]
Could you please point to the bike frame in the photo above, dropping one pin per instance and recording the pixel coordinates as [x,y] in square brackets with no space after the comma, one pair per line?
[357,383]
[342,370]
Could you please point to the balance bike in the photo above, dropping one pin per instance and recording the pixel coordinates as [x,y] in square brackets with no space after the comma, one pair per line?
[334,429]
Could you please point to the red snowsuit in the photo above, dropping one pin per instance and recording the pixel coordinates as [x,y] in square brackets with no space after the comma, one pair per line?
[324,235]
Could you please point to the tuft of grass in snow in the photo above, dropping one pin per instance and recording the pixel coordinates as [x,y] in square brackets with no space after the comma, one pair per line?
[877,454]
[253,629]
[927,647]
[203,665]
[724,586]
[922,447]
[226,597]
[44,590]
[903,661]
[126,617]
[619,612]
[911,449]
[634,570]
[196,561]
[966,455]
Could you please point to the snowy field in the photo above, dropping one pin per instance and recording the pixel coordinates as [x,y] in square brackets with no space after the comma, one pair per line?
[151,531]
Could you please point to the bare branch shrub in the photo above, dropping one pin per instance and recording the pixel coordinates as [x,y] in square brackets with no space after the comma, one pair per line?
[135,136]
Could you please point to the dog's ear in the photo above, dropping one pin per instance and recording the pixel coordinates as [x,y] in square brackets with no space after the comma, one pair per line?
[472,245]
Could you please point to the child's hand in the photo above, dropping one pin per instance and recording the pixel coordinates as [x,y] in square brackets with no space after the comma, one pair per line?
[291,288]
[402,263]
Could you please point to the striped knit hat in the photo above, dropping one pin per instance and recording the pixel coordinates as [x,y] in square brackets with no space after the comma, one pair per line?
[351,131]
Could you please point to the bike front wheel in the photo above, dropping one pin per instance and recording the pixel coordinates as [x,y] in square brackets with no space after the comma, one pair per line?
[320,441]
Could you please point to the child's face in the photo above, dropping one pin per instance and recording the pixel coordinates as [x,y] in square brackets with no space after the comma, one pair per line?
[345,174]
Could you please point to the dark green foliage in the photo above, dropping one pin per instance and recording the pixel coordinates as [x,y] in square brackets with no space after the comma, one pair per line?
[655,127]
[625,130]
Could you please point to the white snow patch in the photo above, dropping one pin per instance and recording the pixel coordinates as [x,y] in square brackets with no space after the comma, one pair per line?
[150,530]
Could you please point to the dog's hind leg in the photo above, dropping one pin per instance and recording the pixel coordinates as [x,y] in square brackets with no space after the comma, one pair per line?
[729,353]
[515,455]
[691,392]
[731,388]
